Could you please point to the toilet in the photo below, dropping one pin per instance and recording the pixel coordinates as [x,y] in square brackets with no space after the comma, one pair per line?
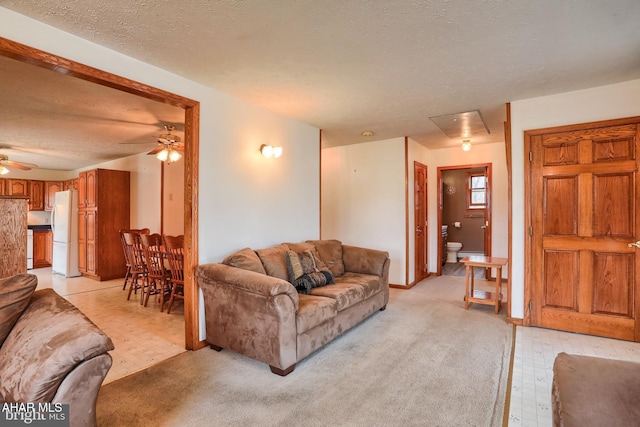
[452,251]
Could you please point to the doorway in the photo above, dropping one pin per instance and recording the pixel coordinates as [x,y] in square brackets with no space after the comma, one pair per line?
[464,216]
[53,62]
[421,229]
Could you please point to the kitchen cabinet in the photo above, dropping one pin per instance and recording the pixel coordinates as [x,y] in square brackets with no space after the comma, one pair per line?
[42,248]
[13,229]
[36,195]
[17,187]
[50,190]
[71,184]
[104,210]
[3,186]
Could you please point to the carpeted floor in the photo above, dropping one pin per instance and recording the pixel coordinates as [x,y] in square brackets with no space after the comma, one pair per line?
[423,361]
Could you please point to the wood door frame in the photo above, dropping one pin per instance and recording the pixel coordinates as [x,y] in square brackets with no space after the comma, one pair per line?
[488,209]
[423,272]
[24,53]
[528,206]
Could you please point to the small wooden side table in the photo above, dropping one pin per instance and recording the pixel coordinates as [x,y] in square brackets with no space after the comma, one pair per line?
[482,297]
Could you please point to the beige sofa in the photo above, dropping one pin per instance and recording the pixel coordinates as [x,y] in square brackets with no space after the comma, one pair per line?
[49,351]
[251,306]
[593,391]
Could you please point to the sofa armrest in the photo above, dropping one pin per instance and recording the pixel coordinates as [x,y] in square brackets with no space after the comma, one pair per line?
[250,313]
[80,389]
[366,261]
[246,281]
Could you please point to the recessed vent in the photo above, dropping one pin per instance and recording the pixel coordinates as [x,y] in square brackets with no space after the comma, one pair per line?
[461,125]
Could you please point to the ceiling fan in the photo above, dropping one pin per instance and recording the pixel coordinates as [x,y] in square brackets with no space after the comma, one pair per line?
[4,162]
[169,146]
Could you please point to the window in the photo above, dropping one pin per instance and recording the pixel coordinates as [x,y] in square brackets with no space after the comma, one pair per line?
[476,190]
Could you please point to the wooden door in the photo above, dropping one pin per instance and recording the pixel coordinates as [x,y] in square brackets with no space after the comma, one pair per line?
[36,195]
[82,241]
[18,187]
[91,242]
[82,190]
[584,213]
[420,215]
[91,188]
[40,250]
[50,190]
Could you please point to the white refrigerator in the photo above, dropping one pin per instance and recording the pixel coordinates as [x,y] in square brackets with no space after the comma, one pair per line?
[64,224]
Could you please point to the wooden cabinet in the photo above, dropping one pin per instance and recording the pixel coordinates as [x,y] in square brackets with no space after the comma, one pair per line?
[13,229]
[36,195]
[17,187]
[3,186]
[70,184]
[50,190]
[42,248]
[104,206]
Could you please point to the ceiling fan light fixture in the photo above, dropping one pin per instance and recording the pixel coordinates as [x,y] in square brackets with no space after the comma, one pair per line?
[174,155]
[163,155]
[3,170]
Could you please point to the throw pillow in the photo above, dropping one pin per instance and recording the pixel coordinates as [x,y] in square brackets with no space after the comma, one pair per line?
[303,272]
[245,259]
[15,294]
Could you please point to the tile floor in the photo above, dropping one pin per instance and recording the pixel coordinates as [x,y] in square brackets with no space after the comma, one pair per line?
[142,336]
[535,353]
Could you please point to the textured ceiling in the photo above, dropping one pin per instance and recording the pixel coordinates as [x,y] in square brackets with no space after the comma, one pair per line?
[385,66]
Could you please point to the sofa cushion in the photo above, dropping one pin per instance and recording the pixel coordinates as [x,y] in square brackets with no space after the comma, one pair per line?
[15,294]
[331,253]
[245,259]
[345,294]
[370,283]
[49,340]
[314,310]
[274,262]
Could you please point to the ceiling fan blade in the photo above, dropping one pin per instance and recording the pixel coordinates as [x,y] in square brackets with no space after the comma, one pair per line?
[19,165]
[156,150]
[179,148]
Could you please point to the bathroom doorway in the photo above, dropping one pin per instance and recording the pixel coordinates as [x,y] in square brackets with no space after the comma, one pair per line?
[464,216]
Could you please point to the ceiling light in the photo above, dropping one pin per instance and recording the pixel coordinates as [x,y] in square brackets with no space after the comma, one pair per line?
[367,133]
[163,155]
[3,170]
[466,145]
[174,155]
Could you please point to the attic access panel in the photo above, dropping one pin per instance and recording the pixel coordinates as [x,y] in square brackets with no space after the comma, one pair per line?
[461,125]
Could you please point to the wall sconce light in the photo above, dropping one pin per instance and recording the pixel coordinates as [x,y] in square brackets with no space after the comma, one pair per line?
[466,145]
[269,151]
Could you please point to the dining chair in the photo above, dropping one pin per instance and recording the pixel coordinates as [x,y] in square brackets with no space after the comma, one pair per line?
[157,275]
[127,252]
[138,267]
[174,248]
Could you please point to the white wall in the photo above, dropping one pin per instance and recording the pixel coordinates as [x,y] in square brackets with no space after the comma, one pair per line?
[174,198]
[363,203]
[144,188]
[244,199]
[600,103]
[482,153]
